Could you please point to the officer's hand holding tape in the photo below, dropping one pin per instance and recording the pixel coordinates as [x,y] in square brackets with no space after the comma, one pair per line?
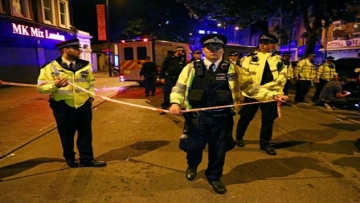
[61,82]
[175,109]
[281,97]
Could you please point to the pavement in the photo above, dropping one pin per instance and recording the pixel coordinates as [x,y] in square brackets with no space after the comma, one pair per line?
[25,115]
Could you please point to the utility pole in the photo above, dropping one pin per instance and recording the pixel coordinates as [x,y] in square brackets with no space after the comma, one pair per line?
[108,37]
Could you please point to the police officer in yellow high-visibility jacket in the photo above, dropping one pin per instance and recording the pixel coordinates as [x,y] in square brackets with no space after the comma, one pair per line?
[289,75]
[208,83]
[305,73]
[71,107]
[325,73]
[269,73]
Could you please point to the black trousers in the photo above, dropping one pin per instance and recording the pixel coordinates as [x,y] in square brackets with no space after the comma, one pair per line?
[149,84]
[69,121]
[170,82]
[268,115]
[287,87]
[302,89]
[319,87]
[211,130]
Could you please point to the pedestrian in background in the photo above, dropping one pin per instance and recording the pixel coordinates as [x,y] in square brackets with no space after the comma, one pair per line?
[325,73]
[169,73]
[289,75]
[207,83]
[304,73]
[269,73]
[332,95]
[71,107]
[149,72]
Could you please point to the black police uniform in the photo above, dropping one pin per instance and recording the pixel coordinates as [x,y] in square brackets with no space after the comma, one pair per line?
[288,81]
[269,113]
[170,70]
[149,71]
[69,120]
[209,127]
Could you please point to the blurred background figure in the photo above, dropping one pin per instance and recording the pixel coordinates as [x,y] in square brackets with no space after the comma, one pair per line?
[196,55]
[325,73]
[234,58]
[289,76]
[149,72]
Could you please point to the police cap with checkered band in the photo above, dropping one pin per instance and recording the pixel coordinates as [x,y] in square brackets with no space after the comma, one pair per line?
[68,43]
[213,39]
[269,38]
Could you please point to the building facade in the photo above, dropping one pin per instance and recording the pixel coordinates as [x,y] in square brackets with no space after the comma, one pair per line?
[342,39]
[30,29]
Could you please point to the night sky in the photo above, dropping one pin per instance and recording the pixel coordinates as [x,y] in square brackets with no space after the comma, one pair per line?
[84,14]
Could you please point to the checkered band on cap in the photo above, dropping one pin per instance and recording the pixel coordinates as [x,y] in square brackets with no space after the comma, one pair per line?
[68,43]
[71,44]
[179,49]
[214,40]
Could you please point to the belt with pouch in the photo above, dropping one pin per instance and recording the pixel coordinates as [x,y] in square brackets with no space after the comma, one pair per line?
[212,113]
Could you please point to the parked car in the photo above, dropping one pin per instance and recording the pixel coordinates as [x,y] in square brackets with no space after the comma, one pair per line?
[350,67]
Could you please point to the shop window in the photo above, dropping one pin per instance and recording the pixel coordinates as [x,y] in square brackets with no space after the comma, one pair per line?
[20,8]
[48,11]
[357,28]
[128,53]
[63,14]
[141,53]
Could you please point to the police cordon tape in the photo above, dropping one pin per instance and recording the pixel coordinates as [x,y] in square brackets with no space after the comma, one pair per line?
[153,108]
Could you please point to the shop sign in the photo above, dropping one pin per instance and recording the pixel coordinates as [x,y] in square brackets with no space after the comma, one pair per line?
[344,43]
[31,31]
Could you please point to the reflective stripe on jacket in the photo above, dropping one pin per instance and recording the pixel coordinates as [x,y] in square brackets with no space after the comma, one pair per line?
[325,72]
[305,70]
[72,96]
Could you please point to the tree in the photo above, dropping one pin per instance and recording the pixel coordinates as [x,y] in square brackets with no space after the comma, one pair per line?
[316,14]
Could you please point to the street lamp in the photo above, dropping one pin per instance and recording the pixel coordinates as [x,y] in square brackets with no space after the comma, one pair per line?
[235,34]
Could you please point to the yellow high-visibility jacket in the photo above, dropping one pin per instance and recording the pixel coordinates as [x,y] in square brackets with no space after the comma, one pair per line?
[305,70]
[326,71]
[237,79]
[72,96]
[290,71]
[254,64]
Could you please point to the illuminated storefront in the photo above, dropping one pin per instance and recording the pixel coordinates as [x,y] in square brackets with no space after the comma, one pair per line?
[25,47]
[343,48]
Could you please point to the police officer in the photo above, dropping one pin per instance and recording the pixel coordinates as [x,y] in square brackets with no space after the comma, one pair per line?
[269,73]
[289,75]
[325,73]
[149,72]
[234,58]
[304,73]
[196,55]
[169,73]
[71,107]
[206,83]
